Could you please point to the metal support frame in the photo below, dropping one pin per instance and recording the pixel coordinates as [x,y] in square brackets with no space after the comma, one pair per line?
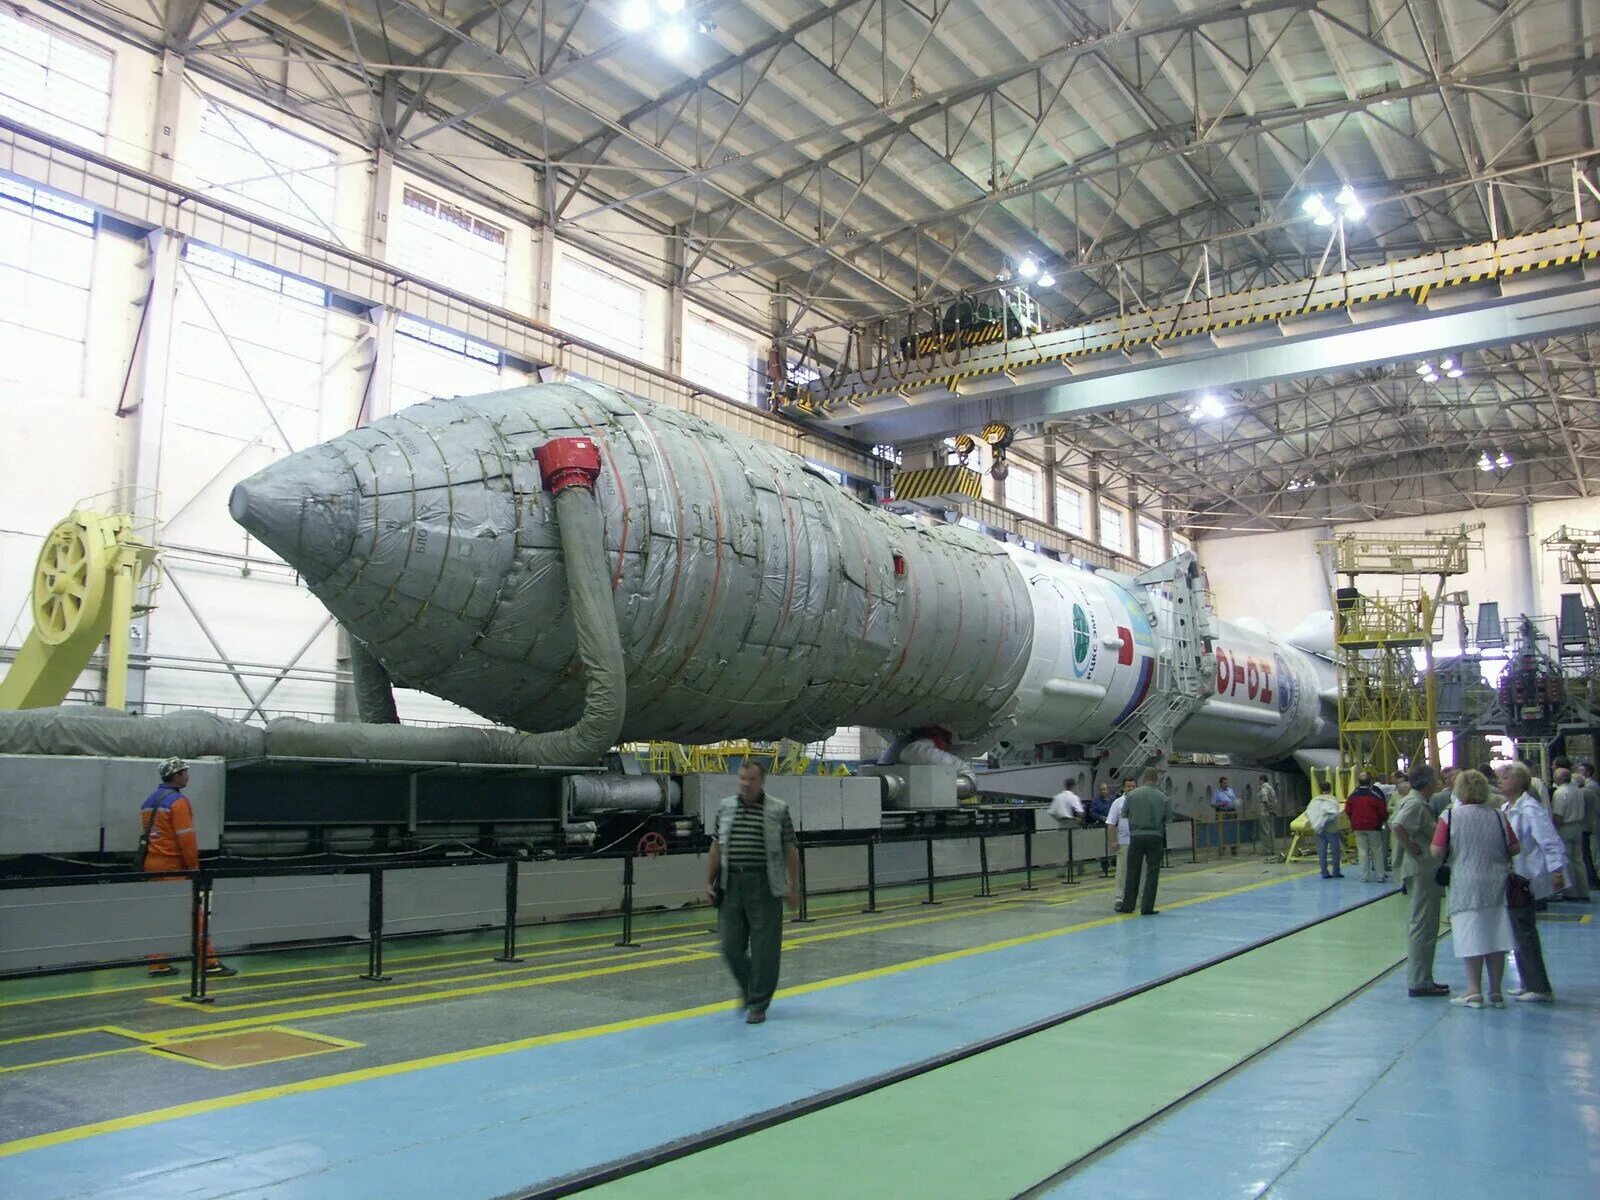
[930,899]
[374,972]
[626,942]
[199,934]
[508,954]
[803,917]
[872,876]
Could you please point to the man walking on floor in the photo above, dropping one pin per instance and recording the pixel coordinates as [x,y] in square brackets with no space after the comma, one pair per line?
[1148,811]
[754,864]
[1412,824]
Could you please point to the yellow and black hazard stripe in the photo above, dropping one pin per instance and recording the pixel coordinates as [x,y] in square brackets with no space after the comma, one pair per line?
[1402,282]
[930,482]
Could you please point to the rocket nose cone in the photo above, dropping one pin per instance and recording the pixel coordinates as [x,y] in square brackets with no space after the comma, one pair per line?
[305,508]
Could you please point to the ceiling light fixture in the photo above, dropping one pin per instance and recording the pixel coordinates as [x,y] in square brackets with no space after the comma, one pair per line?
[675,37]
[671,7]
[1346,206]
[636,15]
[1047,280]
[1206,408]
[1027,268]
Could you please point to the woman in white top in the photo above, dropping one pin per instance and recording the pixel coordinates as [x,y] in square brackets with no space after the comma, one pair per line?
[1478,844]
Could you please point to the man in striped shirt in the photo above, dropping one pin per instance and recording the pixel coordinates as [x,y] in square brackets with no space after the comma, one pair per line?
[754,864]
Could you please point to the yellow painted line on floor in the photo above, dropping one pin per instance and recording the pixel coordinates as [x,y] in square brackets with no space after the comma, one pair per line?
[494,971]
[78,1133]
[547,946]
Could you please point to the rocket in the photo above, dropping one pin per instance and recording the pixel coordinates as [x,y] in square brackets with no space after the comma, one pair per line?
[754,597]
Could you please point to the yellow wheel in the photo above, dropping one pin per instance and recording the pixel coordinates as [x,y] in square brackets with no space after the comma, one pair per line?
[69,580]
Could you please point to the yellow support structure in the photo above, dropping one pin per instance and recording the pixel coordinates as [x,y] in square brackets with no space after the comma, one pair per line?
[1388,701]
[86,589]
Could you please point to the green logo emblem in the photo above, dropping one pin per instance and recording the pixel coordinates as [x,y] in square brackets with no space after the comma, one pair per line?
[1080,634]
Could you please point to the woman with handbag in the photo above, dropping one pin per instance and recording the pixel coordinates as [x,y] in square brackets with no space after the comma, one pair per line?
[1540,866]
[1474,846]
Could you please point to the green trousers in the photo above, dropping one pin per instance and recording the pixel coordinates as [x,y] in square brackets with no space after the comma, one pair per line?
[750,924]
[1422,930]
[1144,854]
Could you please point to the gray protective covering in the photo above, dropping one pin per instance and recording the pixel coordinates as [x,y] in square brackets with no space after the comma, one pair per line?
[373,689]
[114,733]
[751,593]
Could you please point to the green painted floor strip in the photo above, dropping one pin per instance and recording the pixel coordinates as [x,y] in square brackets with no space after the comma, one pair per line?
[999,1123]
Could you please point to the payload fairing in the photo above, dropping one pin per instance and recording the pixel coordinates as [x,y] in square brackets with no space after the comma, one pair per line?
[753,596]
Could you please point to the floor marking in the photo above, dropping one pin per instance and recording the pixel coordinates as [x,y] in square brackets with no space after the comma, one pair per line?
[142,1120]
[664,931]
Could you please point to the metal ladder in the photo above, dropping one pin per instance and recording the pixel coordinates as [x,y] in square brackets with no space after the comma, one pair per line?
[1185,671]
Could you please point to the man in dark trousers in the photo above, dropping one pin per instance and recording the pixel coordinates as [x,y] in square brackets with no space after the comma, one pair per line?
[1147,810]
[168,843]
[1368,811]
[754,864]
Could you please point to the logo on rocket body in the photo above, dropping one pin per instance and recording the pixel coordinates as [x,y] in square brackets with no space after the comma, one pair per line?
[1083,641]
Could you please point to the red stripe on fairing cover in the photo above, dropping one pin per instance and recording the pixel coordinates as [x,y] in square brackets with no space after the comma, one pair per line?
[1146,673]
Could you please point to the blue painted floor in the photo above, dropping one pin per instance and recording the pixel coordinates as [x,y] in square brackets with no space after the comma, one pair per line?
[492,1125]
[1389,1096]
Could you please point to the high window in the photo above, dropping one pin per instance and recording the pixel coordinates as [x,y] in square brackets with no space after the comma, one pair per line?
[1022,490]
[599,307]
[1150,551]
[46,264]
[1069,508]
[444,243]
[1113,528]
[431,362]
[719,359]
[52,81]
[263,168]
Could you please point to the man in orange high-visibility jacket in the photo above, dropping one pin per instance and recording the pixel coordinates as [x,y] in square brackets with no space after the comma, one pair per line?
[167,823]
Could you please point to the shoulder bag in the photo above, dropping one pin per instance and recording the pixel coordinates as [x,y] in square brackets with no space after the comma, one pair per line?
[1519,891]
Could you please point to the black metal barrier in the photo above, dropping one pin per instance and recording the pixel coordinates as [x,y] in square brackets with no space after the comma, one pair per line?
[202,884]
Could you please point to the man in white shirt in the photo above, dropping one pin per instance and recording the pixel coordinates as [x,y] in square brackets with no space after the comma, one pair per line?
[1117,828]
[1567,810]
[1065,806]
[1541,859]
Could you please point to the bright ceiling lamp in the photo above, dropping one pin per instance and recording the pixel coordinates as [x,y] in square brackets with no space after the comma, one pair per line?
[636,15]
[1028,268]
[671,7]
[1206,408]
[675,37]
[1346,206]
[1047,280]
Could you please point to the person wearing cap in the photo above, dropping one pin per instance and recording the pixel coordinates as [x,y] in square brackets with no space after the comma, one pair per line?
[168,843]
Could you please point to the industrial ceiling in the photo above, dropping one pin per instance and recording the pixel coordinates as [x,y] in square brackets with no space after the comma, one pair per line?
[862,156]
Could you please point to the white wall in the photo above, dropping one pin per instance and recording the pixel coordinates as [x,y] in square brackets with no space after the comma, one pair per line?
[1279,578]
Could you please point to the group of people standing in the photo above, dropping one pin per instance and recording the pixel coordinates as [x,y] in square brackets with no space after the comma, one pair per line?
[1500,855]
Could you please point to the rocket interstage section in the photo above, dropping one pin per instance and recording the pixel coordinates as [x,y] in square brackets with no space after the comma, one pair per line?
[754,597]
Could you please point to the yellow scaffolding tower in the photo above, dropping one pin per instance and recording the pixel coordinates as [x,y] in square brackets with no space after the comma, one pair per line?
[1388,702]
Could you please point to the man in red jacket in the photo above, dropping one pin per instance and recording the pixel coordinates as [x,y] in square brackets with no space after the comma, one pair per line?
[1368,812]
[166,821]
